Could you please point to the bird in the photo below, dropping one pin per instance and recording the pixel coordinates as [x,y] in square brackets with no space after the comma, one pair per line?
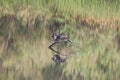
[61,37]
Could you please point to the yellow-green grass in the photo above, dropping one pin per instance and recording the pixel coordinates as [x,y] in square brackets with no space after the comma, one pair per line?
[99,9]
[28,57]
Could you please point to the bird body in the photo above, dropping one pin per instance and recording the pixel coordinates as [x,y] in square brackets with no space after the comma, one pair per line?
[60,37]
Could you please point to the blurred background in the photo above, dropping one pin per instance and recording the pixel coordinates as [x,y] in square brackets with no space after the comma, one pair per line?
[25,34]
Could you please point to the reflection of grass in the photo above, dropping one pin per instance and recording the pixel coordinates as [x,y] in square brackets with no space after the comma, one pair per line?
[56,72]
[53,72]
[98,59]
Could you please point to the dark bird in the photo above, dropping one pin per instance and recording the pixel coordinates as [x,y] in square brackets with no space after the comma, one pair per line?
[57,39]
[60,37]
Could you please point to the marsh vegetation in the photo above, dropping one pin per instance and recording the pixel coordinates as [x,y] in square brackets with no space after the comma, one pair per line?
[25,34]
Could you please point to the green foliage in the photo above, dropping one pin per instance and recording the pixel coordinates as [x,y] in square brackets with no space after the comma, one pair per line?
[25,29]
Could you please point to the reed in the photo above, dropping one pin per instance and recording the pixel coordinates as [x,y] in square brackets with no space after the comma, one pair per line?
[93,26]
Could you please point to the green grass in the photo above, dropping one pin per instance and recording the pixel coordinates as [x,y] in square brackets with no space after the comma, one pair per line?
[98,9]
[91,24]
